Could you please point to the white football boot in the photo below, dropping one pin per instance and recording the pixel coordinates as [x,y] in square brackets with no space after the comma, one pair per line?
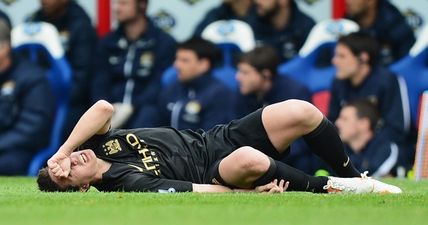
[358,185]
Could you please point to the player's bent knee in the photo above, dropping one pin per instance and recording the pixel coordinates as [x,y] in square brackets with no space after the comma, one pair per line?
[251,161]
[243,167]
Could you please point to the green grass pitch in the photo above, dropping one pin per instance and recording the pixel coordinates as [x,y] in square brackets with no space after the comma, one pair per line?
[22,203]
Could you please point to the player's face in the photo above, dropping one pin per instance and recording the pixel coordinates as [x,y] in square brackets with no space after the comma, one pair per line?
[125,10]
[355,8]
[249,79]
[188,65]
[345,61]
[83,169]
[266,7]
[348,124]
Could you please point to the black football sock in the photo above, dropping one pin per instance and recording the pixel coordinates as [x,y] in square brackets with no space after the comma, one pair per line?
[298,180]
[325,142]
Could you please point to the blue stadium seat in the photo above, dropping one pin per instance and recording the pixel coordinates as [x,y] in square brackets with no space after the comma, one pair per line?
[413,69]
[37,40]
[231,36]
[312,66]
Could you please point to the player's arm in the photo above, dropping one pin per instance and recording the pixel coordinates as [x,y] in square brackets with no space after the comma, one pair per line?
[141,182]
[272,187]
[96,120]
[210,188]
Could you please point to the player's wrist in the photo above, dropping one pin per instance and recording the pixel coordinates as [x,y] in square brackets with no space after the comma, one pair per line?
[66,149]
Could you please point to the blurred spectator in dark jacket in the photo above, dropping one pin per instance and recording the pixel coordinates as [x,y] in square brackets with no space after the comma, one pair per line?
[196,100]
[384,22]
[78,39]
[26,108]
[368,149]
[260,85]
[281,24]
[359,76]
[129,64]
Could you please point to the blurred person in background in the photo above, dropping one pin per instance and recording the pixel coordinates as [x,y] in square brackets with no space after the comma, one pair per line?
[358,125]
[78,39]
[228,10]
[259,83]
[129,63]
[384,22]
[26,108]
[359,76]
[197,100]
[281,24]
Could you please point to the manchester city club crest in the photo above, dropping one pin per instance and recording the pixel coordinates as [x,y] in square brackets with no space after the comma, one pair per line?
[193,107]
[112,147]
[146,64]
[7,88]
[147,59]
[191,112]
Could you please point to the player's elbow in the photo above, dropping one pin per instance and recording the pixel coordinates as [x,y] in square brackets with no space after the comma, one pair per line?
[104,107]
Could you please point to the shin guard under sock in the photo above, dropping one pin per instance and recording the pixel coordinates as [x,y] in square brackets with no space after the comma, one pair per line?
[325,142]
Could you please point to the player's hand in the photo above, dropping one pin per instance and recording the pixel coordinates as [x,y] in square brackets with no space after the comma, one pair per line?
[60,164]
[273,187]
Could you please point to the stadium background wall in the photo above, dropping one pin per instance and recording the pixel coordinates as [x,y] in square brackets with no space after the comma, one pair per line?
[179,17]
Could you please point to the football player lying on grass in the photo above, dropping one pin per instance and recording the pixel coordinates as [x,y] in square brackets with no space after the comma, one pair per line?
[241,155]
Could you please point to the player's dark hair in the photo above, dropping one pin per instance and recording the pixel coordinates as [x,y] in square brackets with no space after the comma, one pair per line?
[359,42]
[367,109]
[262,58]
[203,49]
[46,183]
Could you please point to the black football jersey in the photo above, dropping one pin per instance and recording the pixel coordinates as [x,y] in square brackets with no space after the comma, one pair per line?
[151,159]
